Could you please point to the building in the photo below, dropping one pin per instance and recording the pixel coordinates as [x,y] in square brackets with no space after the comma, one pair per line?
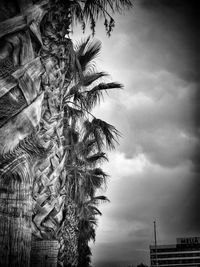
[185,253]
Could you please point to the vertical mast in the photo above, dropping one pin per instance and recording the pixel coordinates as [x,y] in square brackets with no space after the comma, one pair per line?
[155,238]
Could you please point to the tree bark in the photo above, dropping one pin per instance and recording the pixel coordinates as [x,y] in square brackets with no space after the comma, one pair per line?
[15,225]
[20,112]
[44,253]
[49,186]
[68,253]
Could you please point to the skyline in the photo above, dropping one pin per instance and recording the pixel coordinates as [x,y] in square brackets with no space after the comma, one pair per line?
[154,171]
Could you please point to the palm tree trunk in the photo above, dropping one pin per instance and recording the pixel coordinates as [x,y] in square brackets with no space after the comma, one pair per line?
[44,253]
[49,181]
[68,253]
[15,224]
[20,112]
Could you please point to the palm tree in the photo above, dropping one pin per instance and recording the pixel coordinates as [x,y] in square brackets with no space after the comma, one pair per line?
[49,189]
[82,180]
[87,228]
[20,111]
[21,42]
[49,195]
[83,146]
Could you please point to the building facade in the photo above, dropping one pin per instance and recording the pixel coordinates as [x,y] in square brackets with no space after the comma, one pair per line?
[185,253]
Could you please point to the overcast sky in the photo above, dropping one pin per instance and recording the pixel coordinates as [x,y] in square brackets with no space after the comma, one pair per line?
[155,169]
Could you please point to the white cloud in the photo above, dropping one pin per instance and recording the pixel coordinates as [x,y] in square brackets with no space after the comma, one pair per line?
[119,166]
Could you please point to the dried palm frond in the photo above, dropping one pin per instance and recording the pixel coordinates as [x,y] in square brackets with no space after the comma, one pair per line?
[101,130]
[11,104]
[22,159]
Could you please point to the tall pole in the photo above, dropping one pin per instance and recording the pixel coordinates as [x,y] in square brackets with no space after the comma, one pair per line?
[155,238]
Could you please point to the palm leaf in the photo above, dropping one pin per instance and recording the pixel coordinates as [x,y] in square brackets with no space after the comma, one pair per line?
[86,52]
[88,97]
[19,163]
[94,95]
[101,130]
[96,158]
[95,210]
[97,200]
[88,79]
[77,11]
[73,112]
[93,181]
[85,147]
[99,172]
[15,169]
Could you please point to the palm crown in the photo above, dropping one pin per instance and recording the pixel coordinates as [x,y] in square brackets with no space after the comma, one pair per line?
[86,137]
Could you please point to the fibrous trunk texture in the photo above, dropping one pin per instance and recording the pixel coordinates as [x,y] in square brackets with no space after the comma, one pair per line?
[15,225]
[68,254]
[44,253]
[49,182]
[20,112]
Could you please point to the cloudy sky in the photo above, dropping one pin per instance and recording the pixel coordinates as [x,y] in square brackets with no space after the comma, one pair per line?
[155,169]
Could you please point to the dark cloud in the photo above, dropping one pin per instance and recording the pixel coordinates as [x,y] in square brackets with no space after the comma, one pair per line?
[185,20]
[172,28]
[177,5]
[122,254]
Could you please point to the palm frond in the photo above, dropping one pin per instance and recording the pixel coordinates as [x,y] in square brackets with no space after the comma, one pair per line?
[71,136]
[99,199]
[86,228]
[101,130]
[99,172]
[96,158]
[77,13]
[19,163]
[15,169]
[88,211]
[87,51]
[94,95]
[75,88]
[96,211]
[94,181]
[73,112]
[80,47]
[88,79]
[105,86]
[85,147]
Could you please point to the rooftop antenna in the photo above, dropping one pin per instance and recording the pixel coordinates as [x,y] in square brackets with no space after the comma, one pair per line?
[155,239]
